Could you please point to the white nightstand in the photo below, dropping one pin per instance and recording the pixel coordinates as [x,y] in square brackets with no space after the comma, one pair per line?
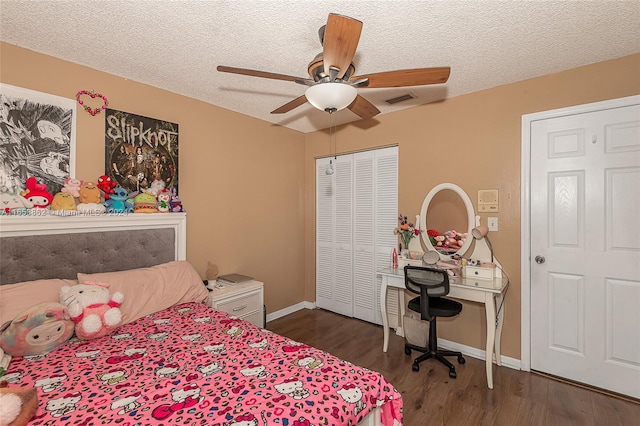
[244,301]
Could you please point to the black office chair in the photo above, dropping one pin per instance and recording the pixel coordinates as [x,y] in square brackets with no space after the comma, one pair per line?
[431,283]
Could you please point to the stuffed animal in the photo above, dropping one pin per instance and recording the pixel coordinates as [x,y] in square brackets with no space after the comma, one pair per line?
[212,271]
[37,330]
[37,193]
[17,405]
[90,202]
[156,186]
[72,186]
[92,307]
[106,185]
[11,203]
[175,204]
[164,198]
[89,193]
[118,203]
[63,201]
[145,203]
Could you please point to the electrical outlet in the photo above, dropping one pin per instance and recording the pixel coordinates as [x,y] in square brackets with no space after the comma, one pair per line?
[492,223]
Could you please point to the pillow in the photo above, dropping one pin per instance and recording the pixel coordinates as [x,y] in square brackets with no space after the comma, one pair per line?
[15,298]
[38,330]
[149,290]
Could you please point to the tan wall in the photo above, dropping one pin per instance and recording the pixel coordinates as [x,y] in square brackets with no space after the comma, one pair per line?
[248,216]
[475,142]
[243,213]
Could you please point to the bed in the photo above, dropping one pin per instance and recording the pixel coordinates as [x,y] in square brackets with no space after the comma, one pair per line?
[175,361]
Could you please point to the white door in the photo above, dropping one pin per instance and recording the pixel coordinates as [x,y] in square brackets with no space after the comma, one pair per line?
[585,248]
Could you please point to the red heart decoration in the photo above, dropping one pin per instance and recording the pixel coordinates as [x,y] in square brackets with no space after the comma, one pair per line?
[92,111]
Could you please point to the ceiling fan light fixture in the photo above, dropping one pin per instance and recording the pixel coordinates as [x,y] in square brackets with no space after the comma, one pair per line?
[331,96]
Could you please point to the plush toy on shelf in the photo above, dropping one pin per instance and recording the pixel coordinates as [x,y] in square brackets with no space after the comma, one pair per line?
[92,307]
[37,193]
[106,185]
[13,204]
[118,202]
[90,199]
[72,186]
[156,186]
[63,201]
[89,193]
[175,204]
[145,203]
[164,198]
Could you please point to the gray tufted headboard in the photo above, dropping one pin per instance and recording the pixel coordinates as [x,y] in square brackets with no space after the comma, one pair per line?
[59,247]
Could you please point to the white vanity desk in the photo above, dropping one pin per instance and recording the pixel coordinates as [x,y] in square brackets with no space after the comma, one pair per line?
[490,293]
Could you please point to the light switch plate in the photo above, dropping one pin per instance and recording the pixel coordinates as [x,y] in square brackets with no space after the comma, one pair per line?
[492,224]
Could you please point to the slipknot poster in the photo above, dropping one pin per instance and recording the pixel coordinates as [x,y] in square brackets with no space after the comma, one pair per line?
[140,150]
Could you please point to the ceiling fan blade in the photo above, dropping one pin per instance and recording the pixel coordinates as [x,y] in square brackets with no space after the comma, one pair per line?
[254,73]
[341,38]
[412,77]
[290,105]
[363,108]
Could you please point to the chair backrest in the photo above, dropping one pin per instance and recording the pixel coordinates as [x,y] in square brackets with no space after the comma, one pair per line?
[434,282]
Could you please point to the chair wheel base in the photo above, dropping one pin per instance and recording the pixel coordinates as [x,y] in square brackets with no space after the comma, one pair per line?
[407,350]
[452,374]
[415,367]
[461,360]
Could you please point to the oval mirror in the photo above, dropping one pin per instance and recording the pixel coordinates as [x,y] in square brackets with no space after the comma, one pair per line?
[466,207]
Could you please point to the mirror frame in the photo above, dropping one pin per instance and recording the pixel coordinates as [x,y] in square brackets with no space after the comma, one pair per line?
[470,218]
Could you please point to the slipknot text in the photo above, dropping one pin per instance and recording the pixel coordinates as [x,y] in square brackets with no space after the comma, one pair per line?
[120,129]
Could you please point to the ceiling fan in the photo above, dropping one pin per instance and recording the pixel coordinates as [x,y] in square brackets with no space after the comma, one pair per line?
[332,85]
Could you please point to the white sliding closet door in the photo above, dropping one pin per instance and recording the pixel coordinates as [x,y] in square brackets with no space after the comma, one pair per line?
[386,214]
[356,212]
[364,258]
[334,212]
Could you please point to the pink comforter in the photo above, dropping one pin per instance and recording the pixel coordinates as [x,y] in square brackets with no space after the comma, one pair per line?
[191,365]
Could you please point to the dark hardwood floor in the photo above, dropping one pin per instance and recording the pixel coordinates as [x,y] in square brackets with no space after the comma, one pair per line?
[432,398]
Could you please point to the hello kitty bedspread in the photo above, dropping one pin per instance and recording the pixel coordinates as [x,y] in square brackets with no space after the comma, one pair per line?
[191,365]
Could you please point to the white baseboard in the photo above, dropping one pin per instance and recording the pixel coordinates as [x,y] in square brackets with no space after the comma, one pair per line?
[445,344]
[289,310]
[477,353]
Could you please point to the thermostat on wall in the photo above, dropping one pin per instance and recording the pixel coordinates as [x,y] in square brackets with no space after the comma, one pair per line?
[487,200]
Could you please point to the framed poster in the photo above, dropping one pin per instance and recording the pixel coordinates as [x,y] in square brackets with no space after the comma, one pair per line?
[140,150]
[37,138]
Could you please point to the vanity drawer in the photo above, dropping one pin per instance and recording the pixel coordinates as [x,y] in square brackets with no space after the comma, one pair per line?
[476,272]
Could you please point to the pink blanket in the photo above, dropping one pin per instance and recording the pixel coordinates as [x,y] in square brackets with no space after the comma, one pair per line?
[190,364]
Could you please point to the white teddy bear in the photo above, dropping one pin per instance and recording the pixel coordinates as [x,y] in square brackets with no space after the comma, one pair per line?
[93,309]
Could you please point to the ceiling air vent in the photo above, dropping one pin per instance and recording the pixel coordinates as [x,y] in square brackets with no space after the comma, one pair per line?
[401,98]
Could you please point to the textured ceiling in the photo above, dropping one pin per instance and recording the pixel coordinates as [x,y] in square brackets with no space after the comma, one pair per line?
[176,45]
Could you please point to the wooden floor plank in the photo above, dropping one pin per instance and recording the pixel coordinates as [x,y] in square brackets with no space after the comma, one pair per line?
[432,398]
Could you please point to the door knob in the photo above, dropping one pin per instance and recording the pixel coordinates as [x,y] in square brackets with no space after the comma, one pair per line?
[540,259]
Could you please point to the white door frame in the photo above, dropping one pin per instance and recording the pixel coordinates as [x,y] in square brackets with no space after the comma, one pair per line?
[525,212]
